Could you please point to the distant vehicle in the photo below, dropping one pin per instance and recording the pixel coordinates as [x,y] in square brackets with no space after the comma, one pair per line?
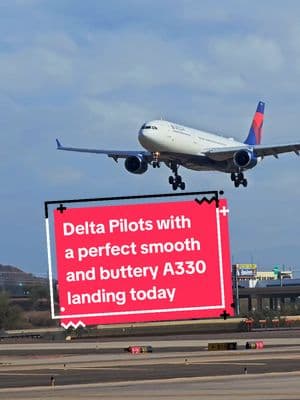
[176,145]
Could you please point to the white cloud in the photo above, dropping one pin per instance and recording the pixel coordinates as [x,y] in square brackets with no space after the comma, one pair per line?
[248,53]
[34,69]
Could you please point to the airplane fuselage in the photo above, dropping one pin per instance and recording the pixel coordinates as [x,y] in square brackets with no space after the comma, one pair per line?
[163,136]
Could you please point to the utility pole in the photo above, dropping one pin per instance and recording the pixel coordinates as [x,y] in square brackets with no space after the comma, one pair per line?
[236,289]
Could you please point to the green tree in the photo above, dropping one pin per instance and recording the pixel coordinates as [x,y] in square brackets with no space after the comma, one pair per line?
[38,292]
[10,316]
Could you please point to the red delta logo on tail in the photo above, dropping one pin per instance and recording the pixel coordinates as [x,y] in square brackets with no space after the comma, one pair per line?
[255,134]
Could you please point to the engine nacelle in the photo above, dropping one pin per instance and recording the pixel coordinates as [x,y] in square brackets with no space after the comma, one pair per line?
[136,164]
[244,159]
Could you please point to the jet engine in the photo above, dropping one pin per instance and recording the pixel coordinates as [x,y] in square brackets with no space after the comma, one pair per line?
[136,164]
[244,159]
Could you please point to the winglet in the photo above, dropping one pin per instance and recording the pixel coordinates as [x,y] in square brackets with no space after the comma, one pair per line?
[58,144]
[255,133]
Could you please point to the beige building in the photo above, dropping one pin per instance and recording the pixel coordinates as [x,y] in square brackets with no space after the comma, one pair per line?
[264,275]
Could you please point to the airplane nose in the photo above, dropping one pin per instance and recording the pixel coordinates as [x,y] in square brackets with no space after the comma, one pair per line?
[146,138]
[142,135]
[145,134]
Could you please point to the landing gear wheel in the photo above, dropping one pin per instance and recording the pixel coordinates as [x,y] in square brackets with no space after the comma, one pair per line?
[178,179]
[171,180]
[238,179]
[155,162]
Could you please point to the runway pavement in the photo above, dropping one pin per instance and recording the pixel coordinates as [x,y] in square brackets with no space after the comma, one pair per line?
[251,387]
[180,367]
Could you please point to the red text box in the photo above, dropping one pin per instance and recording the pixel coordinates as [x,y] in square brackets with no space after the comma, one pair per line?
[143,262]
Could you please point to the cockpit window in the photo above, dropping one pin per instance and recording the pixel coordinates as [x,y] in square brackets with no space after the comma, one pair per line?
[145,126]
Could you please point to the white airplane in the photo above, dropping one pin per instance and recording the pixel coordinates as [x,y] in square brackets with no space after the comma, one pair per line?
[176,146]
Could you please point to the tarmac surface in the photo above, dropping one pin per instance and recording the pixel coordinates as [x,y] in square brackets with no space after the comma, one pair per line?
[180,367]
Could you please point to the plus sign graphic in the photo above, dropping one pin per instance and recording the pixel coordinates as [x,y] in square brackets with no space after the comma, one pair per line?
[224,211]
[224,314]
[61,208]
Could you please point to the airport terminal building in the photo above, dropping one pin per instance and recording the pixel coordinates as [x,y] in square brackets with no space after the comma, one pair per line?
[259,290]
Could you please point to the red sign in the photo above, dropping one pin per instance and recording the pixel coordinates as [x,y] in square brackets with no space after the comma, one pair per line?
[143,262]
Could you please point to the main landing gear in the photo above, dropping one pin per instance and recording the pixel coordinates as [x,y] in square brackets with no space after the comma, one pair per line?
[239,179]
[176,180]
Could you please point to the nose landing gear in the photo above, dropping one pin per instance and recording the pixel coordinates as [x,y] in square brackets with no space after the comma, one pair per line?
[155,162]
[238,179]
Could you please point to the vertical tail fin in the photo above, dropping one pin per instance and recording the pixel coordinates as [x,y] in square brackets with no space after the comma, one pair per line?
[255,132]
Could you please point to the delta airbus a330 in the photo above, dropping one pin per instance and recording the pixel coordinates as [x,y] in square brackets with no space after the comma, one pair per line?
[178,146]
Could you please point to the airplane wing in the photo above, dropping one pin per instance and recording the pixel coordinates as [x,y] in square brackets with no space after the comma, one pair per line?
[224,153]
[217,154]
[274,150]
[115,154]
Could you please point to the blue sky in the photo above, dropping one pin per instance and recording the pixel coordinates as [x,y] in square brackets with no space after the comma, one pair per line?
[91,72]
